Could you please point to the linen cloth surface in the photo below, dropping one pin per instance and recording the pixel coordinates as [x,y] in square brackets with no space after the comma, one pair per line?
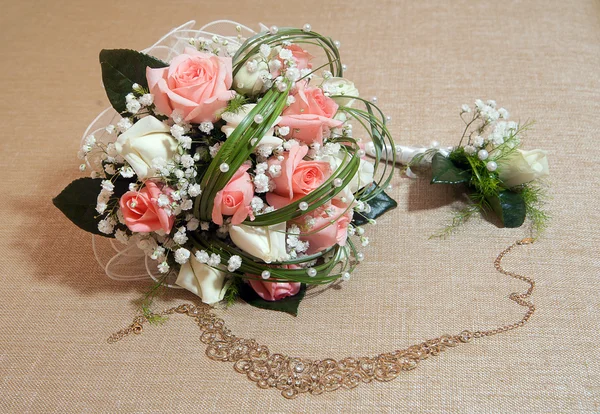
[423,59]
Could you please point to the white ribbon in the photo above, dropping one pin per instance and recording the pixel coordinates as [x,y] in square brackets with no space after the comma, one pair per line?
[405,154]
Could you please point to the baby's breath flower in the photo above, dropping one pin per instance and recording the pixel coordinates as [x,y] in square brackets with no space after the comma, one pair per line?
[133,107]
[126,172]
[147,99]
[265,50]
[194,190]
[187,205]
[202,256]
[206,127]
[192,224]
[122,236]
[106,225]
[234,263]
[124,124]
[163,267]
[182,255]
[180,237]
[214,260]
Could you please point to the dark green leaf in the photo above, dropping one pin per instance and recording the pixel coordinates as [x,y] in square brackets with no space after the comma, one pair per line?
[379,205]
[445,172]
[121,68]
[288,305]
[510,207]
[78,202]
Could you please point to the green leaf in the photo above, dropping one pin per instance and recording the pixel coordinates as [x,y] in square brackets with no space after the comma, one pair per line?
[121,68]
[379,205]
[78,202]
[510,207]
[445,172]
[288,305]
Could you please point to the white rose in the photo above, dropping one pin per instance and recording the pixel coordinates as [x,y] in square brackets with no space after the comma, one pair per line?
[146,140]
[340,86]
[362,178]
[234,119]
[266,243]
[202,280]
[250,82]
[522,167]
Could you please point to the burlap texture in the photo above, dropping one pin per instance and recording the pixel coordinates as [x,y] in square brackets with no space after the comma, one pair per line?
[423,60]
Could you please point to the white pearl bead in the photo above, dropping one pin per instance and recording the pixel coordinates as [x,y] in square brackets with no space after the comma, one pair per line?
[388,119]
[253,141]
[344,67]
[337,182]
[307,28]
[374,99]
[311,272]
[258,118]
[360,256]
[482,154]
[345,276]
[274,29]
[281,86]
[265,274]
[337,44]
[303,206]
[491,166]
[435,144]
[361,153]
[224,167]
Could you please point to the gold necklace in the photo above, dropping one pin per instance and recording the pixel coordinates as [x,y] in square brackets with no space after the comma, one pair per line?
[294,375]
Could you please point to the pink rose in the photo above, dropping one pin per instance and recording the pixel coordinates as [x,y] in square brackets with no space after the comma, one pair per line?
[324,234]
[300,56]
[273,291]
[298,177]
[196,83]
[141,211]
[309,115]
[234,199]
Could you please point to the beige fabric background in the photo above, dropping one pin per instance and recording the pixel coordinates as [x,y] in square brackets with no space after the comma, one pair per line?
[423,59]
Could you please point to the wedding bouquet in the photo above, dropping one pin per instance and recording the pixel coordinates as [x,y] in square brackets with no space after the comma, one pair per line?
[236,163]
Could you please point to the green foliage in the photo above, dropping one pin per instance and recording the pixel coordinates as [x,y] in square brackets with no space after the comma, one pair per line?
[510,207]
[233,290]
[147,300]
[78,202]
[152,317]
[287,305]
[121,68]
[380,204]
[534,195]
[236,104]
[445,172]
[460,217]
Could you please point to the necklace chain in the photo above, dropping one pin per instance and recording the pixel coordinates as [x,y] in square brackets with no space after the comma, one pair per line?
[294,375]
